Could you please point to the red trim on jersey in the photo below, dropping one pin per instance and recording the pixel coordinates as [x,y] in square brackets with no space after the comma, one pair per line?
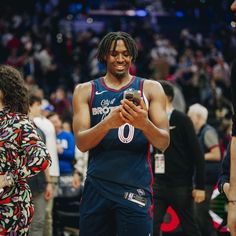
[115,90]
[152,179]
[92,95]
[141,87]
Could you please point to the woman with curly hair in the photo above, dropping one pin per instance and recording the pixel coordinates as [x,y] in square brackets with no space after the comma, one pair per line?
[22,154]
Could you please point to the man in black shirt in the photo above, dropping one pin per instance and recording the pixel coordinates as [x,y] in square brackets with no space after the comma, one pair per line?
[184,165]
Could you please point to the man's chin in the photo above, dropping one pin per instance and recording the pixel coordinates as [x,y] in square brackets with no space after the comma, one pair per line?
[120,75]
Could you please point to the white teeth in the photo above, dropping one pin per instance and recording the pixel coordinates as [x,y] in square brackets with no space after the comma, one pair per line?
[120,67]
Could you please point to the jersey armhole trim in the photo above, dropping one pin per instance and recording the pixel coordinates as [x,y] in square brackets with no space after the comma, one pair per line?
[92,95]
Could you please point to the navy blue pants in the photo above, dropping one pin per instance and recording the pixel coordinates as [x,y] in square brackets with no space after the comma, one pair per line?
[100,216]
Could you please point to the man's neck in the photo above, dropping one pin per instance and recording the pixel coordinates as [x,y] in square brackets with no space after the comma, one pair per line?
[116,83]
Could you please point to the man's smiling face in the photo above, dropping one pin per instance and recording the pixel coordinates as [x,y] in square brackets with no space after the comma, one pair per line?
[118,59]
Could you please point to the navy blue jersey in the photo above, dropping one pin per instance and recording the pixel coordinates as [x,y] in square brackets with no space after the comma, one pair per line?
[122,157]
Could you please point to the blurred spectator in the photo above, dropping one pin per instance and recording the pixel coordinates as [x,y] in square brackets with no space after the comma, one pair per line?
[67,125]
[61,103]
[81,163]
[65,145]
[209,142]
[30,84]
[40,184]
[47,127]
[49,68]
[69,185]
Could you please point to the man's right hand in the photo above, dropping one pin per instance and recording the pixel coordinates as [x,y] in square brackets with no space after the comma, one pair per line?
[76,180]
[198,195]
[48,194]
[114,120]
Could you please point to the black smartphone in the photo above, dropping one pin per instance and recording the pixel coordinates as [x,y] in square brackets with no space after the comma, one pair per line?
[133,95]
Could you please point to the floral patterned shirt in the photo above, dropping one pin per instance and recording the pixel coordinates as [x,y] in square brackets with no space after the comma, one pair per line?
[23,154]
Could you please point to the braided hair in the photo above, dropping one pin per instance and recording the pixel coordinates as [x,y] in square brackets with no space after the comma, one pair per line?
[15,94]
[105,45]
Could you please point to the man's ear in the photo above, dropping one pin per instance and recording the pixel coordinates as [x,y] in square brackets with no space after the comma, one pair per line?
[105,58]
[1,94]
[2,99]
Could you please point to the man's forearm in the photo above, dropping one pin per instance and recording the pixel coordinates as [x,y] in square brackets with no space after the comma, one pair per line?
[158,137]
[87,139]
[47,175]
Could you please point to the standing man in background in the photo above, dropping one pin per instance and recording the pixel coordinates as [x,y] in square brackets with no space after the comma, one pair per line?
[184,162]
[117,197]
[209,142]
[49,131]
[40,185]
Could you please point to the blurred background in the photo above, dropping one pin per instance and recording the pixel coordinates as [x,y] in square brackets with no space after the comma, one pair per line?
[188,42]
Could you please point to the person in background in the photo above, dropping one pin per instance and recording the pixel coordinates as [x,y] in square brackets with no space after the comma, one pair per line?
[60,102]
[49,131]
[184,162]
[209,142]
[68,185]
[65,145]
[81,159]
[80,167]
[40,185]
[22,154]
[117,196]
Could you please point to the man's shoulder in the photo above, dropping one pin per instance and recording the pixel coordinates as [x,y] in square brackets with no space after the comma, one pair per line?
[150,84]
[210,131]
[83,91]
[84,85]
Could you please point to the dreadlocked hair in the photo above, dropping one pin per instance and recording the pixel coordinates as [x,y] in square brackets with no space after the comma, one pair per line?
[105,45]
[15,94]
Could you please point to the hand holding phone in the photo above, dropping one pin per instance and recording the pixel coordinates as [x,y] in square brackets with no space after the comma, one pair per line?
[133,96]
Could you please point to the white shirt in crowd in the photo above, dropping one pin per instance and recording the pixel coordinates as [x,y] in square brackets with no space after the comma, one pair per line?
[47,127]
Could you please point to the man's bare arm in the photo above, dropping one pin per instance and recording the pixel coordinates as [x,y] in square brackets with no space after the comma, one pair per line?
[157,130]
[232,189]
[153,122]
[86,136]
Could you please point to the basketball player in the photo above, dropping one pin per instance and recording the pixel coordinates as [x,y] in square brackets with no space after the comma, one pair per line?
[117,197]
[232,189]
